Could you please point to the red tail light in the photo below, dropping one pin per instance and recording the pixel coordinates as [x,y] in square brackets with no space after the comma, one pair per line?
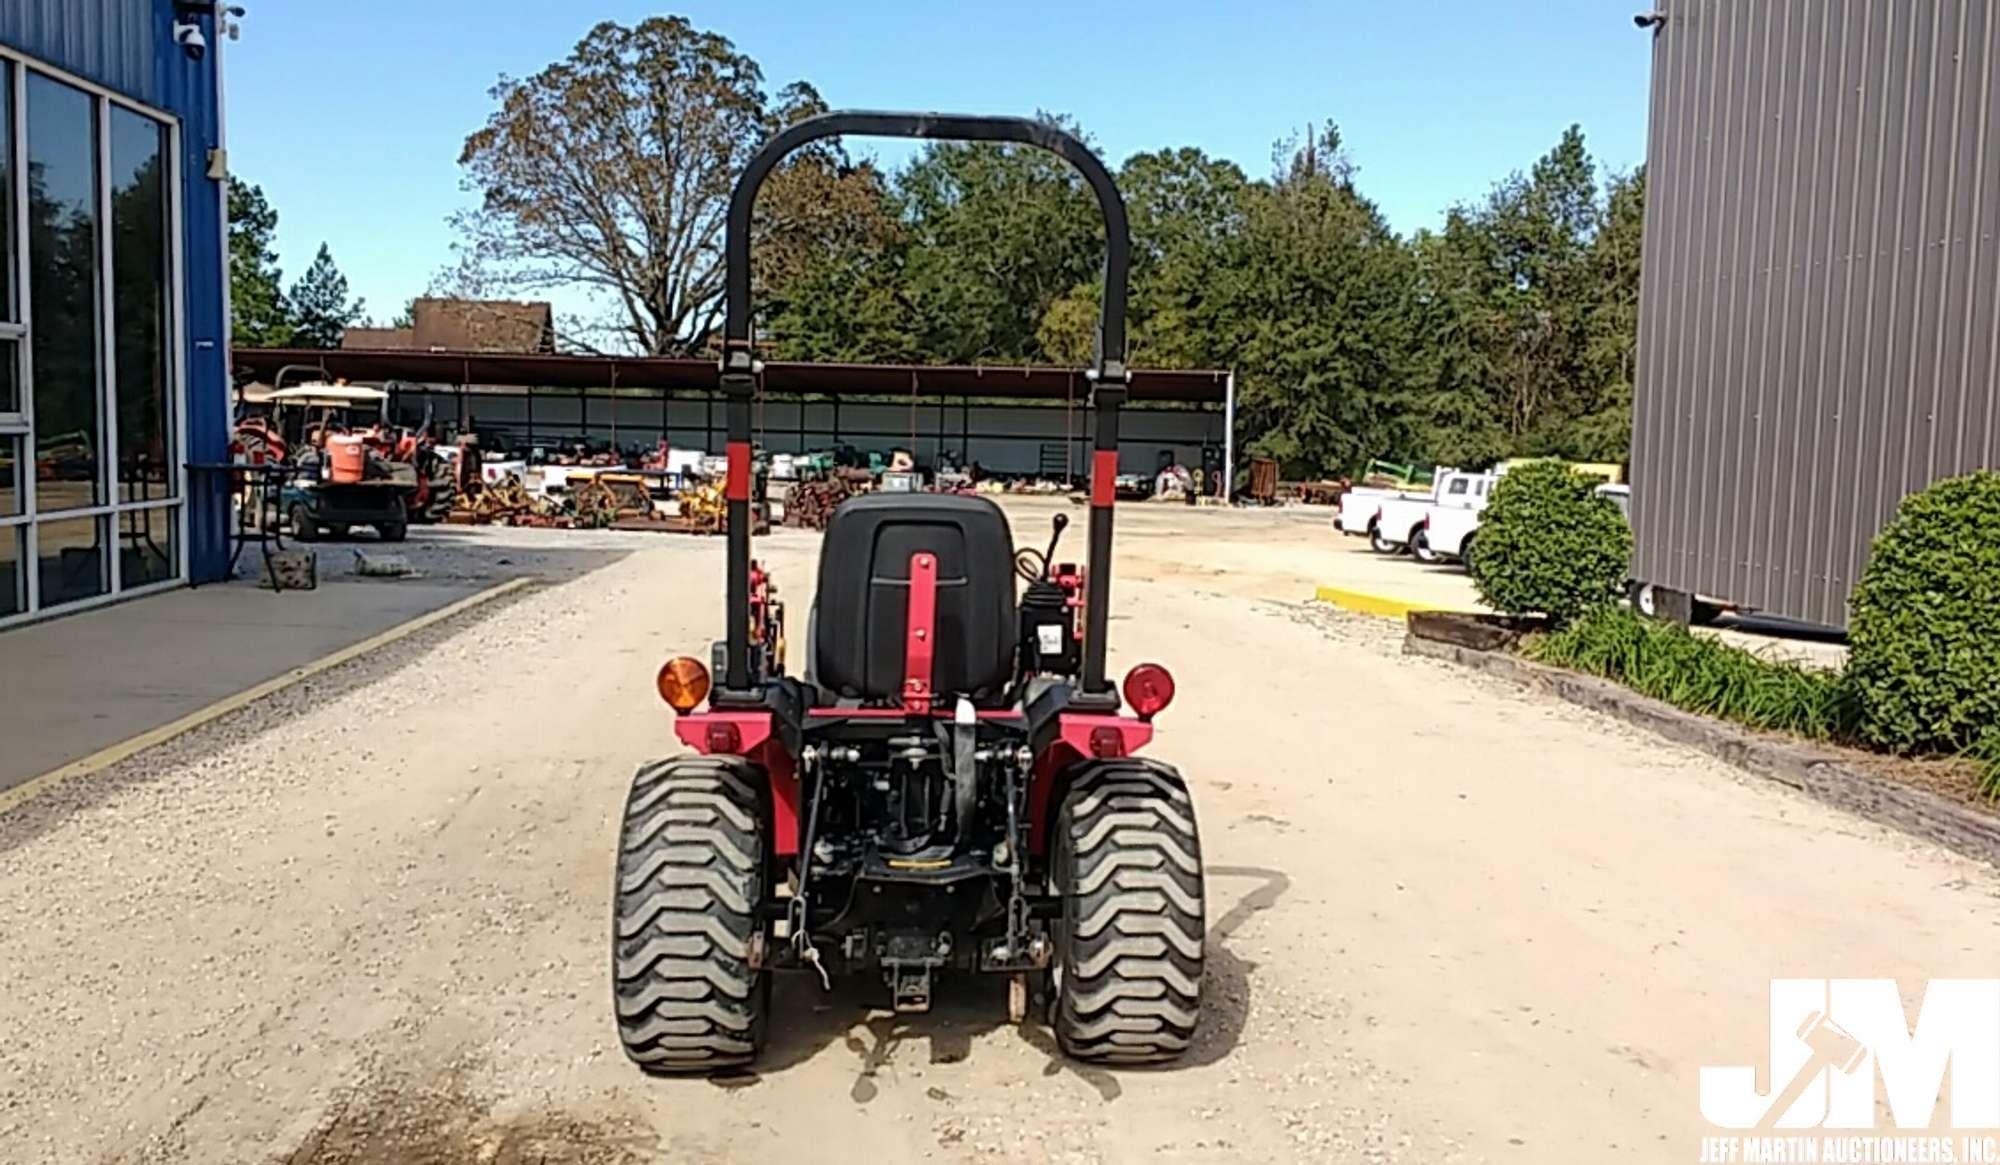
[1148,689]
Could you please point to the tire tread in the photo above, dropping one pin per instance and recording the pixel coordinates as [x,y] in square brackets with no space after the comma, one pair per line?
[690,880]
[1130,991]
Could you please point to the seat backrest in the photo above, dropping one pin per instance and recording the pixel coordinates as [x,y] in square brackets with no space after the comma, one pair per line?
[864,588]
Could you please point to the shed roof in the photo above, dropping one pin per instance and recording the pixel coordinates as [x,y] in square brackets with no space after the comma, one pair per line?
[550,370]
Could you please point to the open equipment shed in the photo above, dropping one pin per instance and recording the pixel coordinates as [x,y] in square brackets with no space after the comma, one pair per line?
[1009,420]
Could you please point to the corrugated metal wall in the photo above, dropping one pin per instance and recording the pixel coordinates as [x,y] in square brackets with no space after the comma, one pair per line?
[107,41]
[1818,327]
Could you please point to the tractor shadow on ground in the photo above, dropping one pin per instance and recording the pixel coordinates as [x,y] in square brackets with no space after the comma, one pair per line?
[806,1020]
[1228,979]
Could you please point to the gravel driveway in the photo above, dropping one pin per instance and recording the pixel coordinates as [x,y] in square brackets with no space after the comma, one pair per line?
[365,921]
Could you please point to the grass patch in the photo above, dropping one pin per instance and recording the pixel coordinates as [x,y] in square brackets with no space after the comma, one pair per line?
[1985,752]
[1698,674]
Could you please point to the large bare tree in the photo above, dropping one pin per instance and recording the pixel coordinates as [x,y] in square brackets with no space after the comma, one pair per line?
[611,170]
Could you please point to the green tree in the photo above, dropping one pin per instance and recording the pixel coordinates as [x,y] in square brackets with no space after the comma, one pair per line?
[998,233]
[1455,417]
[1067,334]
[829,257]
[1187,211]
[321,309]
[1540,226]
[1600,428]
[258,314]
[1314,304]
[1527,316]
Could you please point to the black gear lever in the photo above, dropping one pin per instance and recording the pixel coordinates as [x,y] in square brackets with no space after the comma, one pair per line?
[1061,523]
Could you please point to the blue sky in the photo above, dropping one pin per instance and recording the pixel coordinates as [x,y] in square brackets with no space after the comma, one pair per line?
[351,114]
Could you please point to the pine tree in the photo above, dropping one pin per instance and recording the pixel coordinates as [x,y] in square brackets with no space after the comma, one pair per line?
[259,316]
[321,311]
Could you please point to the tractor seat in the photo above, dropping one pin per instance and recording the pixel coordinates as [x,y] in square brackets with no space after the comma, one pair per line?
[864,586]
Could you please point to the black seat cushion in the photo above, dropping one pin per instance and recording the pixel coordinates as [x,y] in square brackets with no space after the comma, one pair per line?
[864,589]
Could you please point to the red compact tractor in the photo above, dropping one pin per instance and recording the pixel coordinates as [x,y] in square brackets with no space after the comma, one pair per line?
[951,785]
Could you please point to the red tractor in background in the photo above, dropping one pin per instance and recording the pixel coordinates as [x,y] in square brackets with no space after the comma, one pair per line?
[952,784]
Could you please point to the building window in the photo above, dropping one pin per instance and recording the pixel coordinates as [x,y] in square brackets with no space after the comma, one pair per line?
[147,547]
[14,429]
[13,582]
[90,462]
[12,420]
[72,560]
[64,294]
[140,279]
[10,476]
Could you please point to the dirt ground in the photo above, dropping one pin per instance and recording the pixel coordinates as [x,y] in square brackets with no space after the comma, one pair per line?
[366,921]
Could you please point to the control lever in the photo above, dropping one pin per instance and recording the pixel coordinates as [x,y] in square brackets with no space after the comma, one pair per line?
[1061,523]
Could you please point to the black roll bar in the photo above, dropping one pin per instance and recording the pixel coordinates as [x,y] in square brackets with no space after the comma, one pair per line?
[738,379]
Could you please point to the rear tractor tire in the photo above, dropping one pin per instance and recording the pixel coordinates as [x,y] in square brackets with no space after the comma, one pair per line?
[1129,942]
[685,923]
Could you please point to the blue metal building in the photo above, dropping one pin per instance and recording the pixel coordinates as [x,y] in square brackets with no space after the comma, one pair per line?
[113,300]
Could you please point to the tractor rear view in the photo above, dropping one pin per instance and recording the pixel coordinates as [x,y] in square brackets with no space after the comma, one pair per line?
[951,786]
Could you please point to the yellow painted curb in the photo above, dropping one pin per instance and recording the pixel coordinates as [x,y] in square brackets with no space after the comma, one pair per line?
[104,758]
[1367,604]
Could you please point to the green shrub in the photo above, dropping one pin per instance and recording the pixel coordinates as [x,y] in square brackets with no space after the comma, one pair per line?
[1699,674]
[1549,546]
[1924,656]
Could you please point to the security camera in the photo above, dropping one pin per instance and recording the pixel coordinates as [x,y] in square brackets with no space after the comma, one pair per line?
[188,35]
[1652,20]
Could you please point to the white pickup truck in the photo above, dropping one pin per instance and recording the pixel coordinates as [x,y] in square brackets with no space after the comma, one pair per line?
[1360,505]
[1400,522]
[1447,532]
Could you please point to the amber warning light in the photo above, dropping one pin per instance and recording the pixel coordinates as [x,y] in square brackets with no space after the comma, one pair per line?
[683,683]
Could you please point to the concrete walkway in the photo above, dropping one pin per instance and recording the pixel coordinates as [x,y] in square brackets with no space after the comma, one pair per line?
[74,685]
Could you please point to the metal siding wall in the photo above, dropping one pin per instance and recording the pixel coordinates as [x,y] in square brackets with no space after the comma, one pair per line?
[110,42]
[188,88]
[1818,332]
